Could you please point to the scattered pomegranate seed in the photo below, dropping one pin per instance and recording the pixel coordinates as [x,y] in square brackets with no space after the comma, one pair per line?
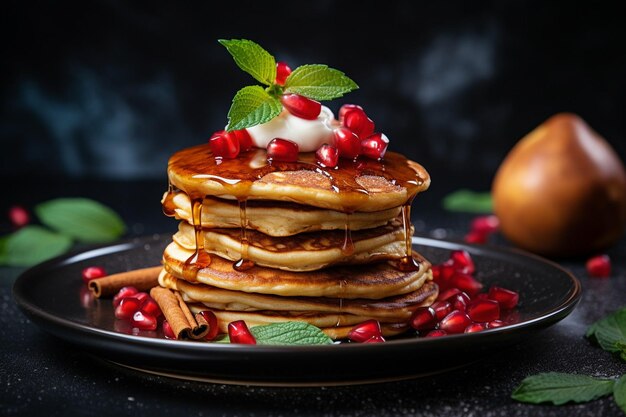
[476,237]
[466,283]
[144,321]
[364,331]
[150,307]
[599,266]
[483,310]
[475,327]
[460,301]
[93,272]
[282,72]
[442,309]
[123,293]
[327,155]
[238,332]
[375,339]
[19,216]
[455,322]
[244,139]
[224,145]
[211,318]
[495,323]
[167,330]
[506,298]
[282,150]
[127,307]
[423,318]
[141,296]
[485,224]
[357,121]
[436,333]
[375,146]
[347,143]
[448,294]
[345,108]
[462,261]
[300,106]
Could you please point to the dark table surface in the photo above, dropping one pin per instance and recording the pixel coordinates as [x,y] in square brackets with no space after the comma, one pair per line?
[42,375]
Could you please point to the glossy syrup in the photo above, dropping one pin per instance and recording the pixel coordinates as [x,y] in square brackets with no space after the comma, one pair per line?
[244,263]
[200,258]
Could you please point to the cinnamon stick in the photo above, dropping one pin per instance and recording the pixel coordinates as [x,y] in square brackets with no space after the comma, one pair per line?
[183,322]
[142,279]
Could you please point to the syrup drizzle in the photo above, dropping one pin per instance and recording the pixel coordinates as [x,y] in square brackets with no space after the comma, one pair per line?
[244,263]
[169,208]
[200,258]
[407,263]
[347,248]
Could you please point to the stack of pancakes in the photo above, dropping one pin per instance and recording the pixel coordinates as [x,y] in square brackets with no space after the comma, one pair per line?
[295,242]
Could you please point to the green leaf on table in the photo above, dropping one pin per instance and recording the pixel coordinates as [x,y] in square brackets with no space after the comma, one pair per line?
[289,333]
[82,219]
[252,58]
[32,244]
[252,106]
[619,393]
[468,201]
[610,331]
[559,388]
[319,82]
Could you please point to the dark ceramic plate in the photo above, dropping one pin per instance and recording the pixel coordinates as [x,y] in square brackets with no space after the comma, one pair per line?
[53,296]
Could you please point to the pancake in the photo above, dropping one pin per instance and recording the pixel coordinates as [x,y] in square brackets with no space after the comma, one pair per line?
[363,186]
[303,252]
[278,218]
[373,281]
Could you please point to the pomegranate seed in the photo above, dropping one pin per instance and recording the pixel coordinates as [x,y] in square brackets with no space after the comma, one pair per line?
[485,224]
[327,155]
[150,307]
[238,332]
[455,322]
[19,216]
[141,296]
[301,107]
[357,121]
[442,309]
[466,283]
[481,296]
[143,321]
[127,307]
[93,272]
[483,310]
[244,139]
[346,108]
[167,330]
[224,145]
[347,143]
[436,333]
[211,318]
[462,261]
[476,237]
[375,339]
[375,146]
[510,317]
[448,294]
[423,318]
[495,324]
[460,301]
[282,150]
[599,266]
[475,327]
[124,292]
[364,331]
[506,298]
[282,72]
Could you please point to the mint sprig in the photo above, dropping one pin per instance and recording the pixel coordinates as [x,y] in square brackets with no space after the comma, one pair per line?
[289,333]
[559,388]
[468,201]
[255,105]
[610,332]
[619,393]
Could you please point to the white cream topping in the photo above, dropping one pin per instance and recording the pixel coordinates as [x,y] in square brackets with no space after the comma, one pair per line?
[308,134]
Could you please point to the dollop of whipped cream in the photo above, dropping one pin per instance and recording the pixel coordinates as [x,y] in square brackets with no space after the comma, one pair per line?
[308,134]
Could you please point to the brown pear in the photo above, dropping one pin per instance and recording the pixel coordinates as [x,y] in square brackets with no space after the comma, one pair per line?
[561,191]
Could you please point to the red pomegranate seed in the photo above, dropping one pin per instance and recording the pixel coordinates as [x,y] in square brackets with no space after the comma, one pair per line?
[483,310]
[141,296]
[124,292]
[347,143]
[211,318]
[300,106]
[375,146]
[475,327]
[224,145]
[485,224]
[143,321]
[495,324]
[436,333]
[127,307]
[442,309]
[599,266]
[167,330]
[466,283]
[19,216]
[423,318]
[375,339]
[93,272]
[506,298]
[364,331]
[244,139]
[282,150]
[481,296]
[448,294]
[238,332]
[327,155]
[282,72]
[460,301]
[476,237]
[462,261]
[357,121]
[455,322]
[150,307]
[345,108]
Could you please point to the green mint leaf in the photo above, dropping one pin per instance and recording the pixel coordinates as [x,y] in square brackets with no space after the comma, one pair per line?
[32,244]
[318,82]
[82,219]
[289,333]
[252,106]
[610,331]
[253,59]
[468,201]
[619,393]
[559,388]
[621,348]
